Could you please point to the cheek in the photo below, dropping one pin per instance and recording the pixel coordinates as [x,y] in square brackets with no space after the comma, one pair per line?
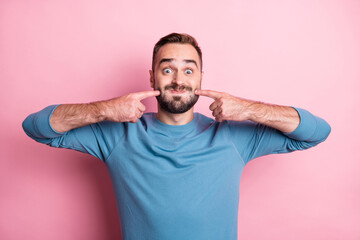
[196,83]
[157,80]
[161,81]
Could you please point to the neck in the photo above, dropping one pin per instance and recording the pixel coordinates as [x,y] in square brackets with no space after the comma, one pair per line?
[175,119]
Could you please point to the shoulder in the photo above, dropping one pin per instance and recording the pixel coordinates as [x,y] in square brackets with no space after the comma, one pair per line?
[204,123]
[201,118]
[147,119]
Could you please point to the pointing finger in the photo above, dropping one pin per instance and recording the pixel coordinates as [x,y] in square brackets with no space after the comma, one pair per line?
[209,93]
[146,94]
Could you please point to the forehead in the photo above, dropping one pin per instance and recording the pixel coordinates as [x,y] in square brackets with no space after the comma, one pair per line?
[178,52]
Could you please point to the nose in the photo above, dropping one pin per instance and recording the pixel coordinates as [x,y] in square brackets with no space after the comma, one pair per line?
[178,78]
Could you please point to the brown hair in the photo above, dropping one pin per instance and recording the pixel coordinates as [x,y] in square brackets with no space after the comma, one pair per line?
[182,38]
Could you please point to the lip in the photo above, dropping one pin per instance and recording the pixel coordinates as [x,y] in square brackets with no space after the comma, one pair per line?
[177,91]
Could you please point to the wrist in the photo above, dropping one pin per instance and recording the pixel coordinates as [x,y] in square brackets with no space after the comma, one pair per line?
[257,111]
[250,109]
[99,110]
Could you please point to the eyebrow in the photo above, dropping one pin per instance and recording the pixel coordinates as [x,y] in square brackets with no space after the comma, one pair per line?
[172,59]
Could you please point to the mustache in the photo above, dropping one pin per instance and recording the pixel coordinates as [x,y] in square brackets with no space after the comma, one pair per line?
[177,87]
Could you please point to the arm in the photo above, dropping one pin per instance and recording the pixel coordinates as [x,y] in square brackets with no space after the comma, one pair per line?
[283,118]
[253,139]
[81,126]
[258,129]
[227,107]
[127,108]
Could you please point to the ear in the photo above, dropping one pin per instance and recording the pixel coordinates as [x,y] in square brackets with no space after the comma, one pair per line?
[151,78]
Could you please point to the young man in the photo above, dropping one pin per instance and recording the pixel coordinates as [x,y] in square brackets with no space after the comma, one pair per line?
[176,173]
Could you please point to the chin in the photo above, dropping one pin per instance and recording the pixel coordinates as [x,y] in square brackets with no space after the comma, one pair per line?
[177,104]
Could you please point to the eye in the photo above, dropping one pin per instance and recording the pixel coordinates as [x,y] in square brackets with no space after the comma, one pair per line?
[188,71]
[167,70]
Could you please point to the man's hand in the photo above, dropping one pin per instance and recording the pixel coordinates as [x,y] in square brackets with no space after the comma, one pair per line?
[127,108]
[226,106]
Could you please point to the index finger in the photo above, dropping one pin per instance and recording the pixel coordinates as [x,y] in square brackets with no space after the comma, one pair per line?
[209,93]
[146,94]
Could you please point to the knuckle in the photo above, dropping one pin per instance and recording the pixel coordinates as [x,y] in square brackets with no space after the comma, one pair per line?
[132,116]
[133,119]
[131,96]
[128,96]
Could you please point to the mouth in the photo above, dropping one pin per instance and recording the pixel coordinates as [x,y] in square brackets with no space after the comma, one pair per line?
[178,89]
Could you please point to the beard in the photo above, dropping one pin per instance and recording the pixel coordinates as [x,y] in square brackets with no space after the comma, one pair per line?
[177,104]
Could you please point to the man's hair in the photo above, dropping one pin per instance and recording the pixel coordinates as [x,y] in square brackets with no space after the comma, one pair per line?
[181,38]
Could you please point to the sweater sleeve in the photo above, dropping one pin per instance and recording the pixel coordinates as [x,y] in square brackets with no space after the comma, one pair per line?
[97,139]
[253,140]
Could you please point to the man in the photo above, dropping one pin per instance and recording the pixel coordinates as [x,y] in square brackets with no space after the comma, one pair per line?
[176,173]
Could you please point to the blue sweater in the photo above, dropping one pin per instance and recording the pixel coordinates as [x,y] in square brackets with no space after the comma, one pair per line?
[177,182]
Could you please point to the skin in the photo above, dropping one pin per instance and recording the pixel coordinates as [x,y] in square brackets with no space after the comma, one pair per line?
[228,107]
[177,64]
[127,108]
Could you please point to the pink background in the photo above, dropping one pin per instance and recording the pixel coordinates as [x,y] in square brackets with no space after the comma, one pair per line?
[300,53]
